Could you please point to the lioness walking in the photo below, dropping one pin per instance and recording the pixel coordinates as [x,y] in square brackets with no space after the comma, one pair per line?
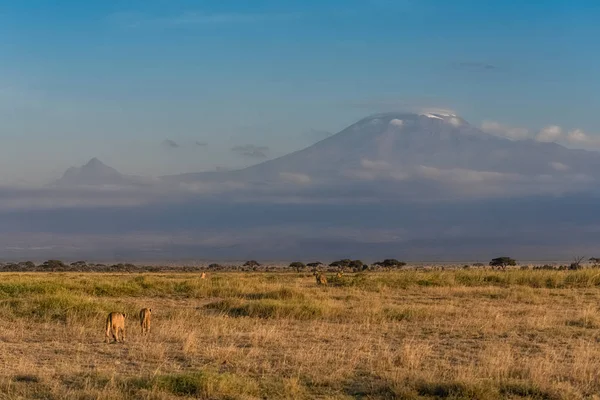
[115,323]
[145,314]
[321,279]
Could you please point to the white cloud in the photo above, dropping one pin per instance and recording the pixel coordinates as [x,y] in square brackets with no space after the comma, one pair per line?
[300,179]
[374,170]
[454,121]
[551,133]
[439,111]
[397,123]
[378,169]
[578,136]
[559,166]
[462,175]
[498,129]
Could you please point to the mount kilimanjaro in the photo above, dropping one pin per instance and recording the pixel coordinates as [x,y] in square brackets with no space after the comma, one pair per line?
[397,185]
[394,155]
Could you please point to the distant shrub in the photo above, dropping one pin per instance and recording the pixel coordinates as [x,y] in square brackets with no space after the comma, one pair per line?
[252,264]
[545,267]
[268,309]
[341,263]
[298,266]
[502,262]
[208,385]
[79,264]
[54,265]
[357,265]
[576,264]
[390,263]
[314,264]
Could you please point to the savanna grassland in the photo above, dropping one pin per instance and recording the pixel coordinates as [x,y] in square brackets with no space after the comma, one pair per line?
[456,334]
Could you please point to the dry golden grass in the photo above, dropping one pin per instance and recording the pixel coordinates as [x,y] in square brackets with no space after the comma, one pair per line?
[475,334]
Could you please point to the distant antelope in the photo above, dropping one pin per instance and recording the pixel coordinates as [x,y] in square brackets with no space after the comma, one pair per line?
[203,276]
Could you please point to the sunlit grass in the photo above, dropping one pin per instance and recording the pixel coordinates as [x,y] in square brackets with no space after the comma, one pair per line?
[455,334]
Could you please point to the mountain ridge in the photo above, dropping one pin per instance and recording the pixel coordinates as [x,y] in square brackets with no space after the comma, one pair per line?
[96,173]
[393,144]
[422,154]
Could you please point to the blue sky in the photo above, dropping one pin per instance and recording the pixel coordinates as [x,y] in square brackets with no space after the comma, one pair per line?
[115,79]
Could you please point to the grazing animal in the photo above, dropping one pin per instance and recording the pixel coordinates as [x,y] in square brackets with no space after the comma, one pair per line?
[115,324]
[321,279]
[203,276]
[145,315]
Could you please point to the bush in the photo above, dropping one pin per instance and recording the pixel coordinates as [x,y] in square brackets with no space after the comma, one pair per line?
[54,265]
[502,262]
[390,263]
[341,263]
[545,267]
[251,263]
[268,309]
[357,265]
[208,385]
[79,264]
[347,263]
[27,265]
[298,266]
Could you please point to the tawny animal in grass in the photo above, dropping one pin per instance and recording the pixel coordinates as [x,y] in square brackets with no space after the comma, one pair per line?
[339,274]
[321,279]
[203,276]
[115,327]
[145,314]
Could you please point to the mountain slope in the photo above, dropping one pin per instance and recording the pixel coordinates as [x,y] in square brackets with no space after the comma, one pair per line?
[404,146]
[95,173]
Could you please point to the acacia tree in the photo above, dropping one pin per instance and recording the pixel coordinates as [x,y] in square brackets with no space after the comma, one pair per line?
[341,263]
[298,266]
[502,262]
[390,263]
[357,265]
[576,264]
[251,263]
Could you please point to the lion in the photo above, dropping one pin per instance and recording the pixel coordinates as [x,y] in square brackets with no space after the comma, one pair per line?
[203,276]
[145,314]
[115,323]
[321,279]
[339,274]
